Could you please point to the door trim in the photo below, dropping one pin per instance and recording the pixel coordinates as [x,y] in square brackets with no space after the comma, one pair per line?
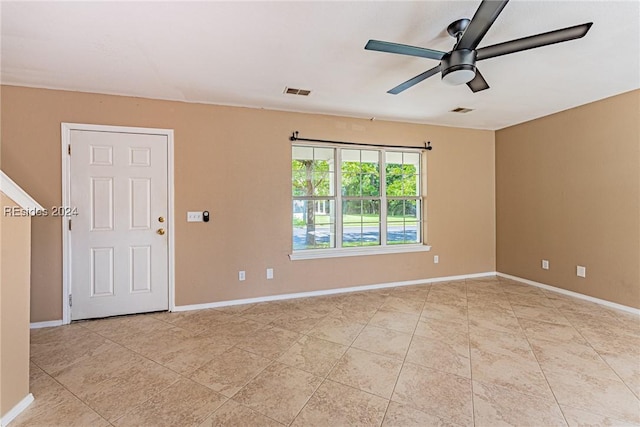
[66,129]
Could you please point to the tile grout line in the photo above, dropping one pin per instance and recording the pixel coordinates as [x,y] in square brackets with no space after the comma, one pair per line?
[350,346]
[405,357]
[473,403]
[542,371]
[326,377]
[70,392]
[604,360]
[181,376]
[554,306]
[273,361]
[532,352]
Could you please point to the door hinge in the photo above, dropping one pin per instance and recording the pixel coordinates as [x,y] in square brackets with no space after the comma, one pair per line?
[69,225]
[69,149]
[70,301]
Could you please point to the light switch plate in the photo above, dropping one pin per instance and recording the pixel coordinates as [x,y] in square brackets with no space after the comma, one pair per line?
[194,216]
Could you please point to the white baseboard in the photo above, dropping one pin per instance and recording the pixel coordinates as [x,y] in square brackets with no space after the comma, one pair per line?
[329,292]
[16,410]
[573,294]
[47,324]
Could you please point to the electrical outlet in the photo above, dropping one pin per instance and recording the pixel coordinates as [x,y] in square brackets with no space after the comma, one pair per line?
[269,273]
[241,275]
[581,271]
[545,264]
[194,216]
[436,259]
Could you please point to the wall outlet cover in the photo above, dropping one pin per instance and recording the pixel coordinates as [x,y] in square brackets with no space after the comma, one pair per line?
[241,275]
[581,271]
[545,264]
[269,273]
[436,259]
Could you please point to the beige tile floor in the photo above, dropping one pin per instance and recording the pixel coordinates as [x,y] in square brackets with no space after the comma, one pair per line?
[484,352]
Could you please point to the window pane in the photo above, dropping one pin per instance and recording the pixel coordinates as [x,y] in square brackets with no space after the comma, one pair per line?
[298,179]
[393,157]
[323,184]
[370,184]
[370,156]
[410,185]
[410,210]
[360,222]
[324,156]
[403,221]
[351,161]
[393,170]
[313,224]
[301,153]
[394,184]
[360,173]
[402,171]
[370,173]
[395,210]
[351,184]
[412,159]
[409,169]
[312,171]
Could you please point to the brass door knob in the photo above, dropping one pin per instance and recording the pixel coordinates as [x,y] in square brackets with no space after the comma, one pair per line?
[161,219]
[160,231]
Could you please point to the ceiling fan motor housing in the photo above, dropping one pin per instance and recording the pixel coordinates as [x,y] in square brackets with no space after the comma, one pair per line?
[458,66]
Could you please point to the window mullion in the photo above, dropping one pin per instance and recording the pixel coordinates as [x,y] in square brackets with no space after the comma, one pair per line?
[338,196]
[383,198]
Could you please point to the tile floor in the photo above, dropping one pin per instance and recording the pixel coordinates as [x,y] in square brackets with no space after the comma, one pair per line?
[484,352]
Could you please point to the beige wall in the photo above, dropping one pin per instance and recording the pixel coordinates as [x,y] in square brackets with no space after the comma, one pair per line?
[235,162]
[568,190]
[14,311]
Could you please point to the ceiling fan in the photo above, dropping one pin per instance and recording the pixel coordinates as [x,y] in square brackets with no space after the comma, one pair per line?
[459,65]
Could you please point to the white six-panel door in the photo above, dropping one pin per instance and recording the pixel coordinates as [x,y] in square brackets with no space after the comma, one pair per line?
[118,240]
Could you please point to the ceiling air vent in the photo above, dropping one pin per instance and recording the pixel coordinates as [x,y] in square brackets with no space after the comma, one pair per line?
[294,91]
[461,110]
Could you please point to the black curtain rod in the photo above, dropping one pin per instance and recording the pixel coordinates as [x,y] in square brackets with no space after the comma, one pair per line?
[294,137]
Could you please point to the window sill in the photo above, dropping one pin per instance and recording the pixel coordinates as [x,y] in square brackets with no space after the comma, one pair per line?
[345,252]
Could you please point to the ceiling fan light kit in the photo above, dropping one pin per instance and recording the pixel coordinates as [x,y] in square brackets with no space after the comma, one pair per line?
[458,66]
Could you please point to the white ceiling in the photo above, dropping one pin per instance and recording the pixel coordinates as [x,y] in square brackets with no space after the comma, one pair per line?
[245,53]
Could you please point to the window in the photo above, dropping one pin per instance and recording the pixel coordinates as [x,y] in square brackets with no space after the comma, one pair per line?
[355,201]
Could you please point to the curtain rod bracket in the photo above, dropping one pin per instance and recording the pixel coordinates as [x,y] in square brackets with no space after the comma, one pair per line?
[294,137]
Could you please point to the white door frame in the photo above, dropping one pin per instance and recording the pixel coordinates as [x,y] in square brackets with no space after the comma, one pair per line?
[66,129]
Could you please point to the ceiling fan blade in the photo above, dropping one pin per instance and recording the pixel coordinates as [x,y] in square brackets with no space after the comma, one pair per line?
[404,49]
[531,42]
[414,81]
[483,19]
[478,83]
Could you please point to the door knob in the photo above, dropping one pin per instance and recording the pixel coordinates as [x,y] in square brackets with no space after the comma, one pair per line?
[160,231]
[161,219]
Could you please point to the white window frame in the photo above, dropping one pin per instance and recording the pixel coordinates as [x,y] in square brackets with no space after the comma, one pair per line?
[383,247]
